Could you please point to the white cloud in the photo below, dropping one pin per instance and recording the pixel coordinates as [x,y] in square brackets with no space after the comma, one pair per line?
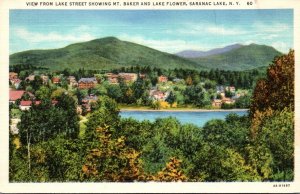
[271,27]
[170,46]
[219,30]
[196,29]
[36,37]
[281,46]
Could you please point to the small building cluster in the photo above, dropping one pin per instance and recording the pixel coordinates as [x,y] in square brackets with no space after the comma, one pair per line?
[221,91]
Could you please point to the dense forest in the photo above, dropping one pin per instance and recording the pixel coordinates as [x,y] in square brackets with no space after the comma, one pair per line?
[255,147]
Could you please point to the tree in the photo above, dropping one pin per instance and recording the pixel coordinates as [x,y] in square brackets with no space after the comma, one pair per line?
[243,102]
[57,93]
[196,95]
[45,121]
[115,92]
[111,160]
[36,83]
[217,163]
[43,93]
[277,90]
[106,113]
[138,88]
[275,131]
[171,172]
[171,98]
[68,106]
[228,94]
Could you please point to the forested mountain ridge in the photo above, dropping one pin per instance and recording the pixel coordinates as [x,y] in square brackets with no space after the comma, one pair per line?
[104,53]
[243,58]
[110,52]
[198,54]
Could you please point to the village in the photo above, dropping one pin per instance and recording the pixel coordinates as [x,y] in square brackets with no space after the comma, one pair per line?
[24,98]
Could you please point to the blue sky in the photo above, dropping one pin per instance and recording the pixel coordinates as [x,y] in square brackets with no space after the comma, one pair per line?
[166,30]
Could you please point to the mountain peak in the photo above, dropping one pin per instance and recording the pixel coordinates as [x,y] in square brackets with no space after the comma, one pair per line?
[103,53]
[106,39]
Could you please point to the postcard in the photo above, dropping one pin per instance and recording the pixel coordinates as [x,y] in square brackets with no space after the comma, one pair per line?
[149,96]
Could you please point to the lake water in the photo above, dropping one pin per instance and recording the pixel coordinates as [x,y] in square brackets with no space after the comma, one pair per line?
[197,118]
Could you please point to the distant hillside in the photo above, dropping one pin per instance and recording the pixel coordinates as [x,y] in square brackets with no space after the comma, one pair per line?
[198,54]
[110,52]
[243,58]
[105,53]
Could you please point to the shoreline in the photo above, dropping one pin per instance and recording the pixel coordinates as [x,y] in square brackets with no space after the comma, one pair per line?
[181,110]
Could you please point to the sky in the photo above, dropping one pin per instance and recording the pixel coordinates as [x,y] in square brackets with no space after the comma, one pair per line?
[165,30]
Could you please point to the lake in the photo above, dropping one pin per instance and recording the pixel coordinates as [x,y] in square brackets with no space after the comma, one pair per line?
[195,117]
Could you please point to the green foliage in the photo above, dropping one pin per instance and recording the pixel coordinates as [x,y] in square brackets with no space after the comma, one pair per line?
[43,92]
[196,95]
[137,133]
[115,92]
[171,98]
[45,121]
[276,133]
[106,113]
[217,163]
[243,102]
[15,113]
[227,106]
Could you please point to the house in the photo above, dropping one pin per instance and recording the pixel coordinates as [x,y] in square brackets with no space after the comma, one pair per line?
[13,75]
[86,83]
[30,78]
[230,88]
[216,103]
[142,76]
[112,78]
[89,99]
[55,80]
[72,81]
[26,104]
[15,95]
[128,77]
[158,95]
[16,82]
[162,79]
[45,79]
[228,101]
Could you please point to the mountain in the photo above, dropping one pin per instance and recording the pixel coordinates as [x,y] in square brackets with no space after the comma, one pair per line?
[242,58]
[105,53]
[110,52]
[198,54]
